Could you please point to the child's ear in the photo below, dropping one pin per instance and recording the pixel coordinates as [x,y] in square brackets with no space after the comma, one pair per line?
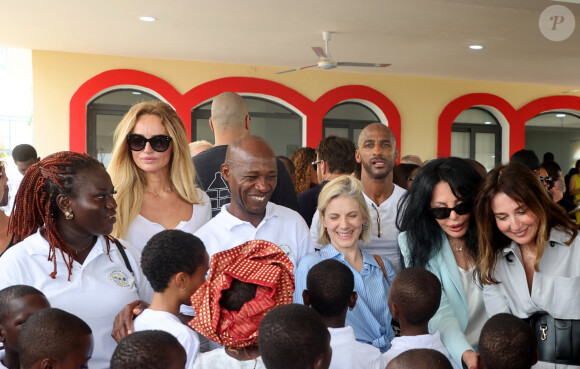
[2,334]
[306,297]
[352,301]
[321,362]
[179,280]
[395,311]
[47,364]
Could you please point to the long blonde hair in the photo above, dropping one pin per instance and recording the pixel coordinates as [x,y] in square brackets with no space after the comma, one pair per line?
[129,180]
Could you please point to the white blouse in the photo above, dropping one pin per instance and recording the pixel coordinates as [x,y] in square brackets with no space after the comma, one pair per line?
[142,229]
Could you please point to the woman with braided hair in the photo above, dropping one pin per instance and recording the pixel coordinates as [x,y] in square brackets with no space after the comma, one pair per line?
[64,214]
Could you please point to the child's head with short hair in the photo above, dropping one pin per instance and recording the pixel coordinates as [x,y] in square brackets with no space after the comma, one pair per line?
[150,349]
[17,304]
[414,296]
[506,342]
[294,337]
[330,286]
[56,339]
[420,359]
[174,257]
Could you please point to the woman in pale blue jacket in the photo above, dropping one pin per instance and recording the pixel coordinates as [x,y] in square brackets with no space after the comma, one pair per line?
[439,234]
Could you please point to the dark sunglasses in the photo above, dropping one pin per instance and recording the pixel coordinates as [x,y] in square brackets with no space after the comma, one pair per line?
[158,143]
[444,213]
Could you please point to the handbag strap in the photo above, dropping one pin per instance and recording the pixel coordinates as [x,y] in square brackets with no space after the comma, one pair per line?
[382,265]
[123,254]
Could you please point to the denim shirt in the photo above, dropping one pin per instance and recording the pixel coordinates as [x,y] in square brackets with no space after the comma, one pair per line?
[370,318]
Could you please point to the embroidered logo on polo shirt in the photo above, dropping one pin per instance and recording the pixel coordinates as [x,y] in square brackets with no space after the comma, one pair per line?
[287,250]
[120,278]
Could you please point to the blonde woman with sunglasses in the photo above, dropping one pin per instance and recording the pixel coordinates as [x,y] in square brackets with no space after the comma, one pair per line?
[154,176]
[438,233]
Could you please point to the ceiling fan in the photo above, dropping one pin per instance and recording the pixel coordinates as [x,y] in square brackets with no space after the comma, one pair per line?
[326,62]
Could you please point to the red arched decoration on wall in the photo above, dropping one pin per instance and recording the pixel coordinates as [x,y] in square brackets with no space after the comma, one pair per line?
[314,111]
[343,93]
[516,118]
[111,78]
[454,108]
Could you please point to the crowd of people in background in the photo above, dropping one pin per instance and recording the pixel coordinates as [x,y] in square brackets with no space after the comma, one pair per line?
[224,255]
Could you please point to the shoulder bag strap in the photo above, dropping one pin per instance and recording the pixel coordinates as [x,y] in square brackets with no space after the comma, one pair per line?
[382,265]
[123,254]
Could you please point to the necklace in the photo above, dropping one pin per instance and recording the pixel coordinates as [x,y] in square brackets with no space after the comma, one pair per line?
[169,189]
[76,251]
[459,249]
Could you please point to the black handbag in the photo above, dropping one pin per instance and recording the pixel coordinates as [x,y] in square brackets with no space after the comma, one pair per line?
[558,339]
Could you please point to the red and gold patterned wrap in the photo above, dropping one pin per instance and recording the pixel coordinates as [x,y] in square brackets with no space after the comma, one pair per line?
[259,262]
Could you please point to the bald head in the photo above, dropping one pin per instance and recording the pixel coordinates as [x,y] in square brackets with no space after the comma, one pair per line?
[248,145]
[373,129]
[229,111]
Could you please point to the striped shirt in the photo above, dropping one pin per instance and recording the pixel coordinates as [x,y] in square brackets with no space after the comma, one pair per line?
[370,318]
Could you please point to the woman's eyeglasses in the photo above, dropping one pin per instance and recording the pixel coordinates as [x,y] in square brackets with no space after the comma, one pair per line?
[159,143]
[444,213]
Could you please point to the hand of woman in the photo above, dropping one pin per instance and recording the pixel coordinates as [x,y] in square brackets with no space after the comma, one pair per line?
[124,320]
[471,359]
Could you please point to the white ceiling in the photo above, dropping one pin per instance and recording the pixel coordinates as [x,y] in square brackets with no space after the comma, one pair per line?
[418,37]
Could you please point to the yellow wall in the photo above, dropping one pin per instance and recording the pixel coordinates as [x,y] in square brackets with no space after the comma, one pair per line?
[56,77]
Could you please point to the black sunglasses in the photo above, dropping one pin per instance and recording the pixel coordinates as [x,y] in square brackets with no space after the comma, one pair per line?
[444,213]
[158,143]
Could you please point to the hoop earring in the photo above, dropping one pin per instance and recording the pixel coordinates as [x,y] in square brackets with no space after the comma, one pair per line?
[68,215]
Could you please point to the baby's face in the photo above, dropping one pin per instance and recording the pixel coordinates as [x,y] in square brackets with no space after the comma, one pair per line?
[19,310]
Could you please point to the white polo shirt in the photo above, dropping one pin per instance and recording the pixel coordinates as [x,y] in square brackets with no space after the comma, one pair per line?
[347,352]
[97,291]
[383,216]
[428,341]
[165,321]
[281,226]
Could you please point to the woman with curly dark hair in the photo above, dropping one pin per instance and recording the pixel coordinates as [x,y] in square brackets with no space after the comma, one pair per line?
[304,160]
[438,233]
[65,212]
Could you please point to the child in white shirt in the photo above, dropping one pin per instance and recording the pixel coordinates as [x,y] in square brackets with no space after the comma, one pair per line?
[413,299]
[329,292]
[175,263]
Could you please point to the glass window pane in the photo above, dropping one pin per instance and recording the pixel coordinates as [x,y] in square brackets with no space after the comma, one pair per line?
[203,131]
[460,144]
[485,149]
[476,116]
[278,125]
[104,114]
[336,131]
[349,117]
[352,111]
[106,125]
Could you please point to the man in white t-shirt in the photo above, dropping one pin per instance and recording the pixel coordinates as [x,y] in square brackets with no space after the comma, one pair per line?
[377,152]
[251,172]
